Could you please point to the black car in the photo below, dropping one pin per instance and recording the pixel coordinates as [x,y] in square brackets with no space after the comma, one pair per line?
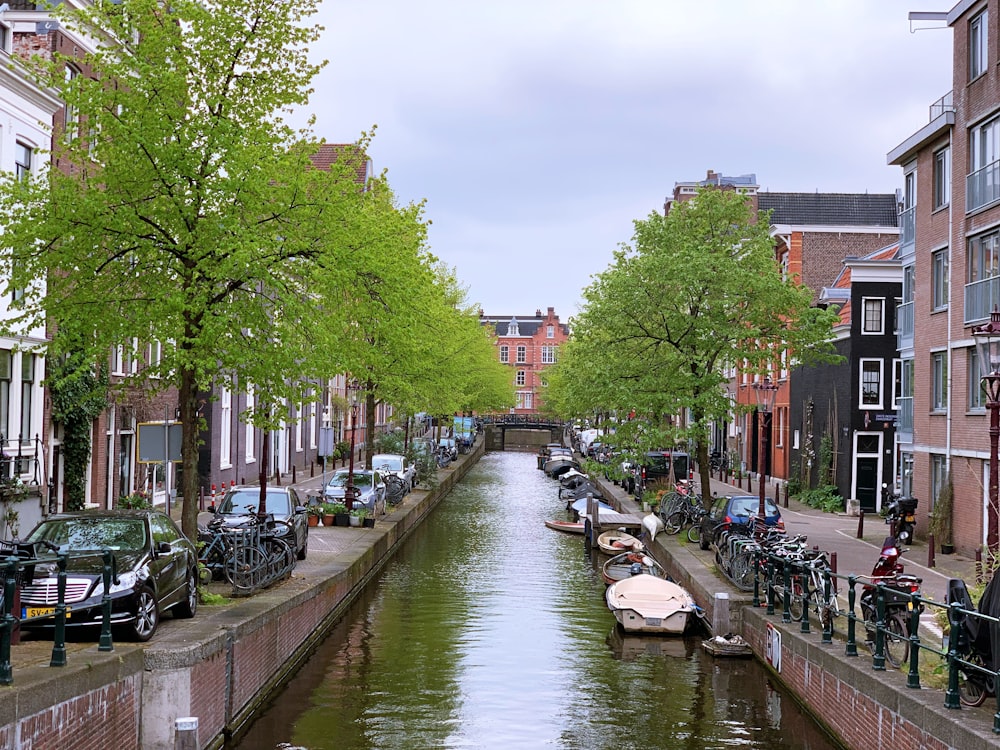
[282,502]
[736,509]
[157,570]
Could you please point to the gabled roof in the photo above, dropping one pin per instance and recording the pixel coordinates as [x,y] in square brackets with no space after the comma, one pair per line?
[840,290]
[329,153]
[526,326]
[831,209]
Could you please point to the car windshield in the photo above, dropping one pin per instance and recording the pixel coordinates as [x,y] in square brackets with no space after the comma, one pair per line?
[93,533]
[748,506]
[392,463]
[239,502]
[360,480]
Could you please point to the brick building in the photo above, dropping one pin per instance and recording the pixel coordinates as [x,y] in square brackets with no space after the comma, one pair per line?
[528,344]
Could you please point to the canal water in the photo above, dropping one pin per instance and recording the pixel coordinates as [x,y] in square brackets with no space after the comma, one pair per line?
[490,630]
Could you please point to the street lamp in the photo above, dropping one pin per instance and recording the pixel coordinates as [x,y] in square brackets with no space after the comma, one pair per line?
[352,390]
[987,337]
[765,391]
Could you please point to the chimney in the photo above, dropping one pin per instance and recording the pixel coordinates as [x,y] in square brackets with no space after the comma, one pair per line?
[552,312]
[538,312]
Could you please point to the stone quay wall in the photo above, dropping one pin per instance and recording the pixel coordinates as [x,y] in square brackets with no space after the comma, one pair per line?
[220,666]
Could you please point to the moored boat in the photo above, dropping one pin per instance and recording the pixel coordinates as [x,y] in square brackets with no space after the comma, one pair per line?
[628,564]
[569,527]
[616,541]
[648,604]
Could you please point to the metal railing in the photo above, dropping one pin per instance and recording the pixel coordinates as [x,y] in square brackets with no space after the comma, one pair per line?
[907,227]
[982,187]
[980,297]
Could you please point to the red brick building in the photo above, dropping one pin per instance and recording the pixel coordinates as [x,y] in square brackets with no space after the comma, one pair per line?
[528,344]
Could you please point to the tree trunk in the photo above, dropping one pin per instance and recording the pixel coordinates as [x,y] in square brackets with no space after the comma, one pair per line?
[188,396]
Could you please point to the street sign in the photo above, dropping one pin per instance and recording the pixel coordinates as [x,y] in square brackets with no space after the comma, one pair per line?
[150,445]
[325,447]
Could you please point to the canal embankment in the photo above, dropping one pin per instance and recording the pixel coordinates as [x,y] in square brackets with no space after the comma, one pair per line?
[218,667]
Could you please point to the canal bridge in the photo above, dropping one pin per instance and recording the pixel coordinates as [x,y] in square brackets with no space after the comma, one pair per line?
[520,431]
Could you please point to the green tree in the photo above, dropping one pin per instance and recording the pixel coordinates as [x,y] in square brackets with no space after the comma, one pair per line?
[186,210]
[697,292]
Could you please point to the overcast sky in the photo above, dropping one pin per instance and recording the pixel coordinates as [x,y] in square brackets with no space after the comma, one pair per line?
[538,131]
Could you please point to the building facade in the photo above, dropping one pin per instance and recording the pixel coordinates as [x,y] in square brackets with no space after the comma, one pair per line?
[528,344]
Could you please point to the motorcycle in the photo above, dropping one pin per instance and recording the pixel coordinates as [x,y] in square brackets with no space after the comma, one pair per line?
[896,588]
[974,641]
[900,514]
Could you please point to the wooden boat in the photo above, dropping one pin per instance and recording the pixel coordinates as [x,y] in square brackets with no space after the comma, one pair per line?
[648,604]
[627,564]
[616,541]
[579,507]
[559,463]
[569,527]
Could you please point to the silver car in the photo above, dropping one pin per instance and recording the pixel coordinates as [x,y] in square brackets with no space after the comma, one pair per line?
[394,463]
[369,486]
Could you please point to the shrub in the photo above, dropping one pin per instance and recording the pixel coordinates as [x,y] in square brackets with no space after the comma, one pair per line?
[825,498]
[135,501]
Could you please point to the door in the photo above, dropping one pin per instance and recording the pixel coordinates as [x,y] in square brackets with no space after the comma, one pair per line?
[866,479]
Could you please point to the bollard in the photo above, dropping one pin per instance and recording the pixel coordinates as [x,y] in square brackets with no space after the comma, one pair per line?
[294,480]
[59,638]
[109,574]
[7,627]
[930,550]
[720,614]
[861,523]
[186,733]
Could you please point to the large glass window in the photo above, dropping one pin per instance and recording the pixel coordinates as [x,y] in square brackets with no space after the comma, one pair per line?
[873,320]
[225,427]
[871,383]
[505,353]
[939,279]
[978,45]
[5,372]
[942,178]
[939,381]
[522,354]
[977,392]
[983,261]
[520,379]
[548,355]
[27,389]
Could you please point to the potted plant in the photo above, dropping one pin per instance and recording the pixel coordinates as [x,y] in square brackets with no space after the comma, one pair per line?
[940,518]
[332,512]
[364,516]
[315,514]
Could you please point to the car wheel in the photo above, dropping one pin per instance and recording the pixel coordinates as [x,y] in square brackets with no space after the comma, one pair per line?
[147,615]
[187,607]
[304,549]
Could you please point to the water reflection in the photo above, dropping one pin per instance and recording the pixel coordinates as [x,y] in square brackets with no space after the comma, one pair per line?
[490,631]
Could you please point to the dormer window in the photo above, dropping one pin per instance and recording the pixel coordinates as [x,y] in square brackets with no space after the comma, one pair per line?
[512,328]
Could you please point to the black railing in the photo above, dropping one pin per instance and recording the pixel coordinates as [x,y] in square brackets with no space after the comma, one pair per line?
[521,419]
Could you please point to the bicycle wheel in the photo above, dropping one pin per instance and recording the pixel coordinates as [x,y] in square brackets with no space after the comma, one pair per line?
[897,640]
[282,558]
[249,567]
[743,572]
[972,684]
[797,602]
[694,533]
[674,522]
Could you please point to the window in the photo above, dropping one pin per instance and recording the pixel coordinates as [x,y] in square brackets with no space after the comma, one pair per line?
[520,379]
[939,381]
[522,354]
[976,400]
[5,368]
[251,448]
[983,142]
[906,474]
[548,355]
[22,160]
[550,332]
[871,383]
[939,279]
[524,400]
[155,355]
[942,178]
[983,259]
[225,427]
[939,475]
[505,354]
[27,388]
[873,321]
[978,45]
[897,382]
[72,121]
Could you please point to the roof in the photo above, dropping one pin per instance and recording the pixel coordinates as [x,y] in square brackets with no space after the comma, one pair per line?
[831,209]
[527,326]
[328,153]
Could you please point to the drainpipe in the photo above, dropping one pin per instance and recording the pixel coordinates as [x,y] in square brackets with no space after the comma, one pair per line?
[951,307]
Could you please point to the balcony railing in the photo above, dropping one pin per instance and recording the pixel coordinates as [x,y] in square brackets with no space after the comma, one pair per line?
[907,227]
[904,325]
[980,297]
[945,104]
[982,187]
[904,412]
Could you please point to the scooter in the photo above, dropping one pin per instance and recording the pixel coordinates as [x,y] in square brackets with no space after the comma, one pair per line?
[896,588]
[975,641]
[900,514]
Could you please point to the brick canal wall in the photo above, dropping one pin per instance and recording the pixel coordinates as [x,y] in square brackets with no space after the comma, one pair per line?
[220,666]
[861,707]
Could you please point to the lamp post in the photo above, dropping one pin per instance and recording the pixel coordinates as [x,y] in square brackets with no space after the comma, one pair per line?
[765,391]
[987,337]
[352,389]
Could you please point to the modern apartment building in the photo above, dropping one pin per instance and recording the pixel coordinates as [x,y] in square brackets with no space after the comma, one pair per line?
[528,344]
[950,251]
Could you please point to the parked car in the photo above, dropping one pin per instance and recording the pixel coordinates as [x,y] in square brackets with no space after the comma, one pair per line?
[394,463]
[283,502]
[730,509]
[369,485]
[157,570]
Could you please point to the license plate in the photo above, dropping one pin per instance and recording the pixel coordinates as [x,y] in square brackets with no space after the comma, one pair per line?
[910,518]
[29,612]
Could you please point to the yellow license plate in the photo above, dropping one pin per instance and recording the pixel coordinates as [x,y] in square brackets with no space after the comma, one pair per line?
[28,612]
[911,519]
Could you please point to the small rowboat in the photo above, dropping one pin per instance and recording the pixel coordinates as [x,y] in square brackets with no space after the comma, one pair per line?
[616,541]
[628,564]
[569,527]
[647,604]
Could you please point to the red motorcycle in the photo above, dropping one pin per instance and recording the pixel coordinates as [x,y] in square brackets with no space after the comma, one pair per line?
[896,587]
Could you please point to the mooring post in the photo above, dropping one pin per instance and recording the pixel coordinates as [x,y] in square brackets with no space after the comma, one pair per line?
[720,614]
[186,733]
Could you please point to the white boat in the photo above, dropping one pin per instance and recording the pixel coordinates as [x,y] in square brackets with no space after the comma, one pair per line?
[648,604]
[628,564]
[616,541]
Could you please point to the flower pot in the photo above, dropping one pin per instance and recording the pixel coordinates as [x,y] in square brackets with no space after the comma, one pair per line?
[329,519]
[313,520]
[947,549]
[368,523]
[342,519]
[355,521]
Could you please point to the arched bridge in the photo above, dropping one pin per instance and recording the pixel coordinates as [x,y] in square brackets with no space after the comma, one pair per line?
[514,431]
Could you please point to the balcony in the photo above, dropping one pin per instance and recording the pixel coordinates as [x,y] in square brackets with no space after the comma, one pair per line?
[907,228]
[904,326]
[904,415]
[980,297]
[982,187]
[945,104]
